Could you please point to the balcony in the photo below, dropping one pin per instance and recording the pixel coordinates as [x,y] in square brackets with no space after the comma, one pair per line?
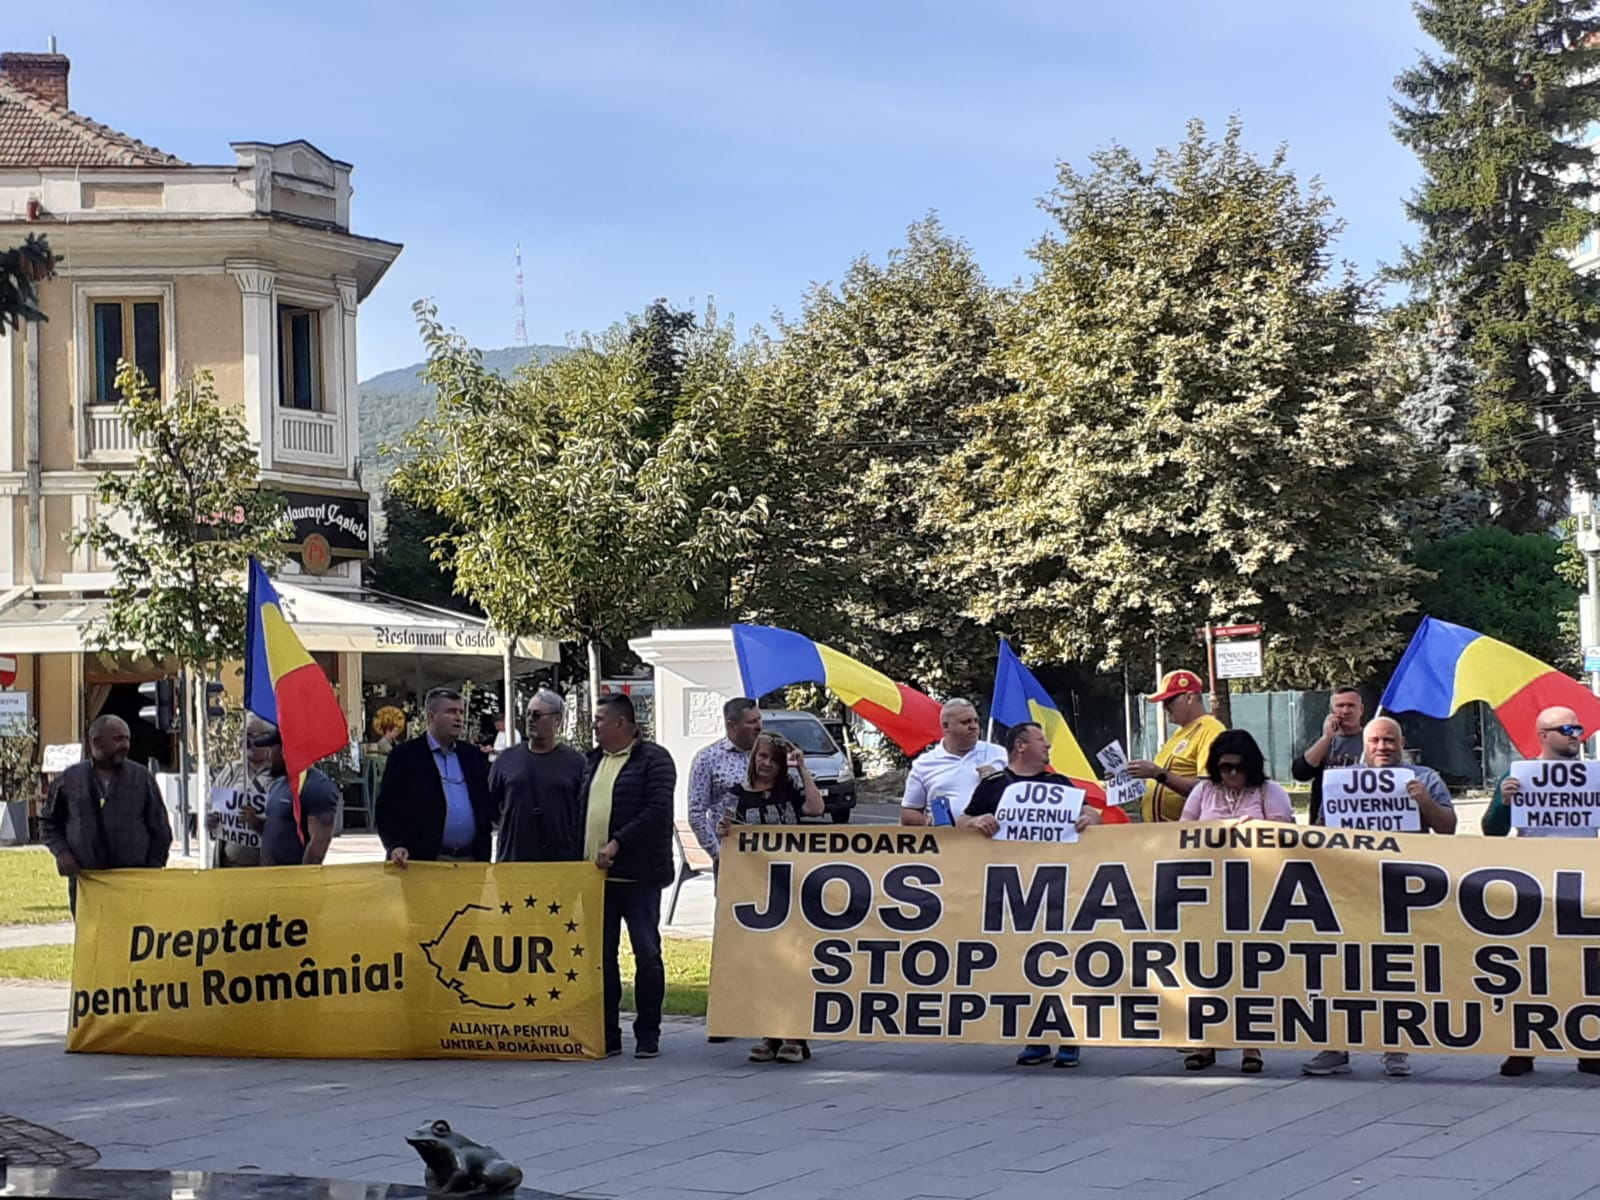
[308,437]
[106,434]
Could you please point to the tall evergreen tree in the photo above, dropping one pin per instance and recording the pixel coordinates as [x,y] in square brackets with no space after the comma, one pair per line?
[1497,119]
[1437,403]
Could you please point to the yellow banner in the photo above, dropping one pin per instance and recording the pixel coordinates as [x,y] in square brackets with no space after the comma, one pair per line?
[1247,935]
[437,961]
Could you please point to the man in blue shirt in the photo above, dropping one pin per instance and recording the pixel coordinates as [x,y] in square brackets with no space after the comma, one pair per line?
[433,805]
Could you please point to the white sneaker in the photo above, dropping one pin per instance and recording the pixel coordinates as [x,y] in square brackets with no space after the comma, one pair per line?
[1397,1065]
[1329,1062]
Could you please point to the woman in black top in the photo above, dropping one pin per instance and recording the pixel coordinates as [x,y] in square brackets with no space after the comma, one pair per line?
[769,796]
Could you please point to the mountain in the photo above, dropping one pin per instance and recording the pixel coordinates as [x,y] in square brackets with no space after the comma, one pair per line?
[394,402]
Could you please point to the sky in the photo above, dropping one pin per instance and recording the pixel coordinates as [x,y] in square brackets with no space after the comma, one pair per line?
[729,151]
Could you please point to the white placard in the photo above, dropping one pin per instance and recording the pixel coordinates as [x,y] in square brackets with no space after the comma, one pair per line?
[13,712]
[1370,798]
[1121,786]
[1042,809]
[229,805]
[1556,798]
[1239,660]
[59,757]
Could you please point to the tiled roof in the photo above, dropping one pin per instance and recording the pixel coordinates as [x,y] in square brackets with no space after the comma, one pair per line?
[34,133]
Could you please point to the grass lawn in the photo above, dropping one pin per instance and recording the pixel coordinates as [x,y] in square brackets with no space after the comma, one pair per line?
[31,893]
[37,962]
[688,963]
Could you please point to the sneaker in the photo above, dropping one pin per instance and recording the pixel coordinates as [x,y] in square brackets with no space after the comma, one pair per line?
[1397,1065]
[1067,1056]
[1034,1056]
[613,1051]
[1329,1062]
[647,1048]
[1516,1065]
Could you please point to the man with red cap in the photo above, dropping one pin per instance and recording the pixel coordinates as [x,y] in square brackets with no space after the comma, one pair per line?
[1182,761]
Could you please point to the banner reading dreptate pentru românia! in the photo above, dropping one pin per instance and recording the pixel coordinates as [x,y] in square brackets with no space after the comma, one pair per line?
[441,960]
[1250,934]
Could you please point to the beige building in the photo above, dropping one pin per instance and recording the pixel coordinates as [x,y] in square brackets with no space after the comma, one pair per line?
[249,270]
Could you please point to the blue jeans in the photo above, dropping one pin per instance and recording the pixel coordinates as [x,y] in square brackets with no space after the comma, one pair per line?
[640,907]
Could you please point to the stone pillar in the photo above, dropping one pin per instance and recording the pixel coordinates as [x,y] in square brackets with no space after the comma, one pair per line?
[349,389]
[258,285]
[696,673]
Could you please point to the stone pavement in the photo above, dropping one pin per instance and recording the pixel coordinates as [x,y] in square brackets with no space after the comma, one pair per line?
[891,1122]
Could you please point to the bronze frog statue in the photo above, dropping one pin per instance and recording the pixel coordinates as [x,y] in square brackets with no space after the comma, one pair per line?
[459,1166]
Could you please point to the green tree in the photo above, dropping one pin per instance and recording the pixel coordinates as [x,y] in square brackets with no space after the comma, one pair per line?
[565,520]
[1505,198]
[22,269]
[404,564]
[1195,436]
[1436,405]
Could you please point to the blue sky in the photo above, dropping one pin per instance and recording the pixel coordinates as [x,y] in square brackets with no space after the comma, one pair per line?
[737,151]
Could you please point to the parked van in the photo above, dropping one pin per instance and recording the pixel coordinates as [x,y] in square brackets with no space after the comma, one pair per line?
[830,766]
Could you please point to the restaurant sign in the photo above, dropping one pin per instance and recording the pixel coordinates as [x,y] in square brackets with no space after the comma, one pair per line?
[329,527]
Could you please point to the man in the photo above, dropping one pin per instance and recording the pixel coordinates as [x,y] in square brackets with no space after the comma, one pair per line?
[286,842]
[1027,757]
[503,739]
[1383,745]
[1560,739]
[433,804]
[1181,763]
[1339,745]
[943,778]
[720,767]
[627,807]
[533,788]
[105,814]
[252,779]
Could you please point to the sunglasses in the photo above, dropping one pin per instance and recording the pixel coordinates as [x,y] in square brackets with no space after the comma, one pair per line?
[534,714]
[1565,730]
[1230,768]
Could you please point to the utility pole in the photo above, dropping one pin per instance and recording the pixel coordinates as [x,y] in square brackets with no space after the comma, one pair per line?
[1586,533]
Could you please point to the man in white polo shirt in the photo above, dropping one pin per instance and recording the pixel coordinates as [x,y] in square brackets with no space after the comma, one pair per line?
[943,779]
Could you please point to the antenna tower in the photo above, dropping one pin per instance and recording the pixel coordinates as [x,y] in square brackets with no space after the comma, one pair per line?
[521,334]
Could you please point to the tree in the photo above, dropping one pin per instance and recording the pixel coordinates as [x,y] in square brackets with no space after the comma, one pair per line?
[884,368]
[1194,436]
[1505,198]
[1436,409]
[564,519]
[404,564]
[22,269]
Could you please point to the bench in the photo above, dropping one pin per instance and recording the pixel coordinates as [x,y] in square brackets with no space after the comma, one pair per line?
[692,861]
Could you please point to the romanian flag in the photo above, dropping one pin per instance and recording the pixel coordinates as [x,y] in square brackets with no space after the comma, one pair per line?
[771,658]
[284,685]
[1446,665]
[1018,697]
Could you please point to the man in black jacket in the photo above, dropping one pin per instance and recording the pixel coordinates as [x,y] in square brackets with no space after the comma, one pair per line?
[627,825]
[433,804]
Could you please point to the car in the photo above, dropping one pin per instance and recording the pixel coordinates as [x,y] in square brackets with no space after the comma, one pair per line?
[830,766]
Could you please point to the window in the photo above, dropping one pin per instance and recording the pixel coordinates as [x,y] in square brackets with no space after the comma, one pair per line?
[124,329]
[299,358]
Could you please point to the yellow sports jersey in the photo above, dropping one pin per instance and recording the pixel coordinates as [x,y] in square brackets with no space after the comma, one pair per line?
[1184,754]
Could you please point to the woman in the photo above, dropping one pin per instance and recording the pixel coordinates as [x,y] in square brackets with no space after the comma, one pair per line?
[1236,788]
[769,796]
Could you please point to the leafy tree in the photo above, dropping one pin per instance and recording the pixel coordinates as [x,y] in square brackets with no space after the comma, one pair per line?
[1194,436]
[564,519]
[22,269]
[1505,198]
[1504,585]
[1436,408]
[404,564]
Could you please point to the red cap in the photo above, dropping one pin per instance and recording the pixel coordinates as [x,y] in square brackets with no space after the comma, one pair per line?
[1178,683]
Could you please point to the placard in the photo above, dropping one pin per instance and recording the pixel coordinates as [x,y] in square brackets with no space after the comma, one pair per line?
[1121,787]
[1042,809]
[1559,797]
[1239,660]
[1370,798]
[59,757]
[229,805]
[13,712]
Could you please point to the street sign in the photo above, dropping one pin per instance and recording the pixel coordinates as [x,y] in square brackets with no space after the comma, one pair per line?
[13,712]
[1230,631]
[1239,660]
[1591,658]
[8,669]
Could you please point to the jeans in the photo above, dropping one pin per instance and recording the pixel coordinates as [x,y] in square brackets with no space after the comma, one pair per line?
[639,905]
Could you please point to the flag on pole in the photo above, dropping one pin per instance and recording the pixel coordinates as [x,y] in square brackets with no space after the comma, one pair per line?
[284,685]
[1447,665]
[1019,697]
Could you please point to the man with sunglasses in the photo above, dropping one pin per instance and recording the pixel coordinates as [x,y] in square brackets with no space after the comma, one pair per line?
[1181,763]
[533,790]
[1560,738]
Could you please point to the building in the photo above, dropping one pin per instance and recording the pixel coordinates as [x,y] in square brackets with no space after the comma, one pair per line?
[249,270]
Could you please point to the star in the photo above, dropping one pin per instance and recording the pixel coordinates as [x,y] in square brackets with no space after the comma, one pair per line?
[577,952]
[506,907]
[531,902]
[530,1001]
[572,927]
[554,908]
[572,977]
[555,994]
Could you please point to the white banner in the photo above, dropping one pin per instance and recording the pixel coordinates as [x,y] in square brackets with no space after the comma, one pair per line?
[1121,786]
[1370,798]
[230,805]
[1561,796]
[1042,809]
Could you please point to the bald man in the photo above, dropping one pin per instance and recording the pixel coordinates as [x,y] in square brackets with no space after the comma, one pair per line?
[1560,738]
[1384,745]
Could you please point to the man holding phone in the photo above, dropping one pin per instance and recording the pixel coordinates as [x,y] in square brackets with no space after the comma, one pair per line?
[1339,745]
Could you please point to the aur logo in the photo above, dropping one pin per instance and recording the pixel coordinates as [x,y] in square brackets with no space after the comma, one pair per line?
[506,956]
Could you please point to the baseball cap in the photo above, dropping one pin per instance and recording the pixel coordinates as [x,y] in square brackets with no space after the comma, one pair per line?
[269,737]
[1177,683]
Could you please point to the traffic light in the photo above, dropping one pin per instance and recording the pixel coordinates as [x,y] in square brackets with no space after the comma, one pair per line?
[214,709]
[161,711]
